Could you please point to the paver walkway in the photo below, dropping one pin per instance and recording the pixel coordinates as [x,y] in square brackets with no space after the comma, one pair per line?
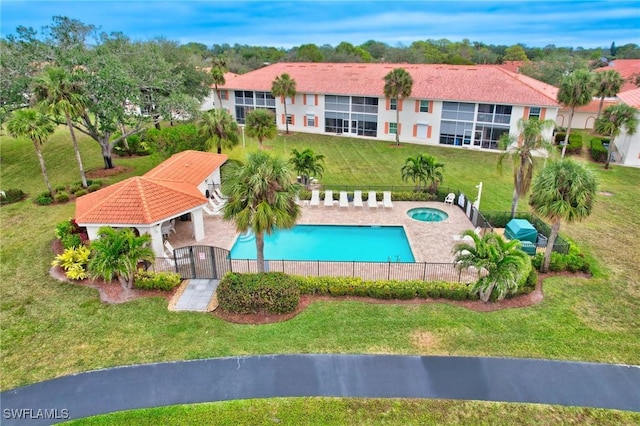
[197,295]
[361,376]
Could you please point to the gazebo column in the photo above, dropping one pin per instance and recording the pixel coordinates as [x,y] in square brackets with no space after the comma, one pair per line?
[197,221]
[156,239]
[92,232]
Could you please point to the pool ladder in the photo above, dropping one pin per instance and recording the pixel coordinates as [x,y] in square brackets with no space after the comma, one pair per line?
[398,260]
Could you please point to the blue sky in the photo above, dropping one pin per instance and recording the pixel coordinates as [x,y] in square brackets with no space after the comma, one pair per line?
[286,24]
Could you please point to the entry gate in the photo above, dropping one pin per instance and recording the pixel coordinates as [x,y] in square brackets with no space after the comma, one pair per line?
[202,262]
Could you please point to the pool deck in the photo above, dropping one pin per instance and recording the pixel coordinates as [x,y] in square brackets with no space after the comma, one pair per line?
[430,241]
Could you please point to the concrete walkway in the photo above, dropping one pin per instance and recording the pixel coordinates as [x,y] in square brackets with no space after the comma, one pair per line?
[360,376]
[197,295]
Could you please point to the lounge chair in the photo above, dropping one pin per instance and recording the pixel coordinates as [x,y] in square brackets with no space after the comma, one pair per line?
[386,199]
[218,199]
[357,198]
[450,198]
[315,198]
[344,200]
[219,193]
[328,198]
[215,212]
[170,251]
[372,201]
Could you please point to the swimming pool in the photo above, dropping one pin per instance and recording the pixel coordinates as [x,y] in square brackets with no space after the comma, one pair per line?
[330,243]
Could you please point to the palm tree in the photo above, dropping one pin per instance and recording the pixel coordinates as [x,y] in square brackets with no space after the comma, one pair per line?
[217,72]
[575,90]
[501,263]
[30,124]
[116,253]
[59,93]
[563,190]
[433,172]
[520,149]
[260,197]
[285,86]
[613,120]
[218,126]
[261,124]
[608,83]
[413,169]
[397,85]
[307,164]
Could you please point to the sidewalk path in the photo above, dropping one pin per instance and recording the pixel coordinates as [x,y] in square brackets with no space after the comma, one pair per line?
[366,376]
[196,295]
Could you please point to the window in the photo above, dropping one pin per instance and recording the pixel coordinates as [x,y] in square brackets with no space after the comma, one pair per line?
[424,106]
[534,113]
[393,104]
[311,121]
[265,99]
[458,111]
[364,104]
[290,119]
[488,113]
[393,128]
[224,95]
[336,103]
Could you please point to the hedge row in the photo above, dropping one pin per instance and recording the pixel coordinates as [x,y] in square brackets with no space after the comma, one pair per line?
[574,145]
[148,280]
[273,292]
[598,151]
[383,289]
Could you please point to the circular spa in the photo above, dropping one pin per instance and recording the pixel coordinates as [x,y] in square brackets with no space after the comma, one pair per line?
[427,214]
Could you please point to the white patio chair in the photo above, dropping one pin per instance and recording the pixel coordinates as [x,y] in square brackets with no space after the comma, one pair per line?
[357,198]
[169,250]
[372,202]
[450,198]
[219,193]
[315,198]
[218,199]
[386,199]
[328,198]
[344,200]
[217,211]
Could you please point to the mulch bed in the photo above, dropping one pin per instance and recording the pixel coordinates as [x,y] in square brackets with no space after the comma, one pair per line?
[112,292]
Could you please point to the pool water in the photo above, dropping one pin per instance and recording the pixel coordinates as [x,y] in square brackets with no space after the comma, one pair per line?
[427,214]
[330,243]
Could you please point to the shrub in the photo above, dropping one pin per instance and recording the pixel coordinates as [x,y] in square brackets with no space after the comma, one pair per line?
[74,262]
[575,144]
[44,200]
[598,151]
[382,289]
[80,192]
[94,187]
[559,137]
[12,196]
[70,234]
[74,187]
[134,145]
[170,140]
[71,241]
[148,280]
[271,292]
[62,197]
[58,188]
[574,261]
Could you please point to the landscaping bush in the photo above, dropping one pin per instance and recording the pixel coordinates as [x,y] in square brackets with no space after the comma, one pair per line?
[58,188]
[149,280]
[70,234]
[44,199]
[171,140]
[75,187]
[559,138]
[271,292]
[12,196]
[575,144]
[61,197]
[94,187]
[134,145]
[80,192]
[74,261]
[598,151]
[574,261]
[383,289]
[71,240]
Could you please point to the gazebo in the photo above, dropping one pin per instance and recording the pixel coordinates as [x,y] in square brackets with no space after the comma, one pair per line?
[176,188]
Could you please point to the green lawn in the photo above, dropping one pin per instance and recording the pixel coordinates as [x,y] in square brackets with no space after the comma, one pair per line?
[50,328]
[351,411]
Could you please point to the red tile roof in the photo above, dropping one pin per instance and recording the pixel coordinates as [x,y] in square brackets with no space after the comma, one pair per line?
[166,191]
[631,97]
[626,68]
[187,166]
[472,83]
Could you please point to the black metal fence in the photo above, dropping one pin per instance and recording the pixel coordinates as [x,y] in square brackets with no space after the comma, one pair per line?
[400,271]
[205,262]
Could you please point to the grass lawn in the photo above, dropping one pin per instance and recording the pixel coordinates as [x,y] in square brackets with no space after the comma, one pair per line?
[351,411]
[50,328]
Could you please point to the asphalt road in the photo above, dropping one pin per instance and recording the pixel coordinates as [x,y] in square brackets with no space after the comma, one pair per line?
[365,376]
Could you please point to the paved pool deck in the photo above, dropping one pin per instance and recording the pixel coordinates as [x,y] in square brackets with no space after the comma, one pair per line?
[430,241]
